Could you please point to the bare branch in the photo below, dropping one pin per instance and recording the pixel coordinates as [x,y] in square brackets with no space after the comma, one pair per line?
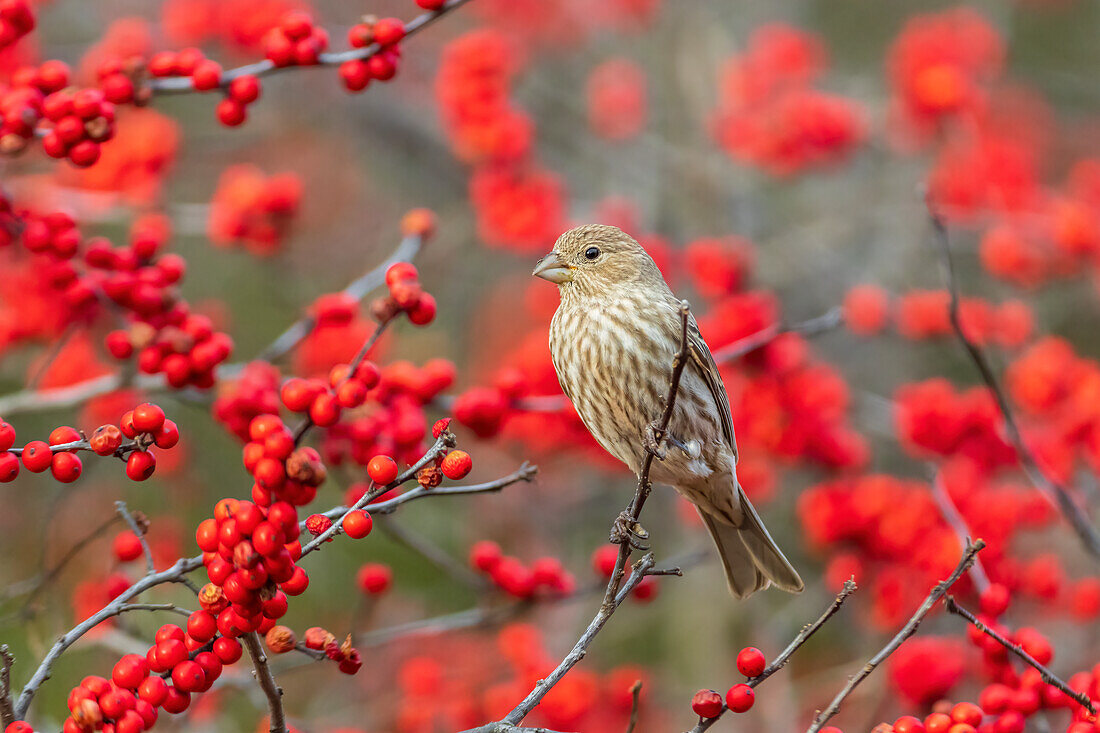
[635,703]
[827,321]
[1047,676]
[173,574]
[137,529]
[7,713]
[784,656]
[958,525]
[1051,489]
[910,628]
[263,674]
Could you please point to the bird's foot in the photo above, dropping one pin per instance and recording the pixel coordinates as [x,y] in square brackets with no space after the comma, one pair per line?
[652,443]
[626,531]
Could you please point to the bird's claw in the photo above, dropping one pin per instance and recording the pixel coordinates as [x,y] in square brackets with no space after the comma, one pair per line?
[652,443]
[626,531]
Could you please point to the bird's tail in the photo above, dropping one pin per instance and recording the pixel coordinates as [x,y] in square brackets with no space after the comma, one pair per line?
[749,555]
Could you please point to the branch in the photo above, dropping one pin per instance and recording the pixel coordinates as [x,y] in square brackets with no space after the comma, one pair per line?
[827,321]
[781,661]
[267,682]
[641,493]
[120,507]
[183,84]
[7,713]
[910,628]
[173,574]
[635,703]
[525,472]
[1047,676]
[358,289]
[955,520]
[1051,489]
[575,655]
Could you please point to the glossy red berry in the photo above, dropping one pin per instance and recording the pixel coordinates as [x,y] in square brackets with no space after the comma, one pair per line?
[130,671]
[167,436]
[188,676]
[357,524]
[740,698]
[153,690]
[7,440]
[140,465]
[751,662]
[908,724]
[148,418]
[381,469]
[37,456]
[9,467]
[66,467]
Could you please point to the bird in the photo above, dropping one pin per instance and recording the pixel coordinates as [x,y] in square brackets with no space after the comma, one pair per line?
[613,339]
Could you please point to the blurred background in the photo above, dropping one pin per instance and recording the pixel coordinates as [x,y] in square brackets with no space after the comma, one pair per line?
[772,156]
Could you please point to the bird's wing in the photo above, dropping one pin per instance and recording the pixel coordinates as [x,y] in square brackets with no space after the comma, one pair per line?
[703,361]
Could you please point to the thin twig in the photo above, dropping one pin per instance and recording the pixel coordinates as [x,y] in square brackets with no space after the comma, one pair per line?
[183,84]
[910,628]
[7,713]
[263,675]
[39,583]
[1051,489]
[781,661]
[120,507]
[115,607]
[827,321]
[641,492]
[1047,676]
[954,519]
[635,703]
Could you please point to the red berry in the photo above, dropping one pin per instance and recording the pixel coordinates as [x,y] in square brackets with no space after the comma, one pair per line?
[7,440]
[937,723]
[202,626]
[245,89]
[485,555]
[207,75]
[381,469]
[130,671]
[456,465]
[423,311]
[127,546]
[19,726]
[967,713]
[227,650]
[401,272]
[176,701]
[431,4]
[168,436]
[140,465]
[84,153]
[908,724]
[153,690]
[740,698]
[170,652]
[148,418]
[388,31]
[230,112]
[9,467]
[357,524]
[604,559]
[325,410]
[707,704]
[374,578]
[64,434]
[297,583]
[66,467]
[37,456]
[751,662]
[188,676]
[994,600]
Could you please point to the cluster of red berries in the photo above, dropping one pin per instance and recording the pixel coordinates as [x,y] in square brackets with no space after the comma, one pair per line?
[177,665]
[251,208]
[406,296]
[295,41]
[250,553]
[356,74]
[740,697]
[145,425]
[545,575]
[72,122]
[396,423]
[769,114]
[281,639]
[16,21]
[325,402]
[282,472]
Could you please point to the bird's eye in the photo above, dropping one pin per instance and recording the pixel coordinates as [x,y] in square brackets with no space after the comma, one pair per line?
[592,253]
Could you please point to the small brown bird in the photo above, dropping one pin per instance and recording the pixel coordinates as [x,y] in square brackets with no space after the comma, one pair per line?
[613,339]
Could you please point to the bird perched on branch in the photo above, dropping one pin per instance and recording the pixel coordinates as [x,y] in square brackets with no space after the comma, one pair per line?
[613,339]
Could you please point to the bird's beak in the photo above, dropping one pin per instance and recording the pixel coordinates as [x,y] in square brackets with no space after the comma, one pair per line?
[553,269]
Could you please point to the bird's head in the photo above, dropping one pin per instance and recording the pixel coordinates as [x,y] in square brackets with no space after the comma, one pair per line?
[597,259]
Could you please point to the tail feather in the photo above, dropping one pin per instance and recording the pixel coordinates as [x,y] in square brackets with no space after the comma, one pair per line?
[749,555]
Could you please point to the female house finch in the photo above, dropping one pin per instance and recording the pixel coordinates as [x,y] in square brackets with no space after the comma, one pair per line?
[613,339]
